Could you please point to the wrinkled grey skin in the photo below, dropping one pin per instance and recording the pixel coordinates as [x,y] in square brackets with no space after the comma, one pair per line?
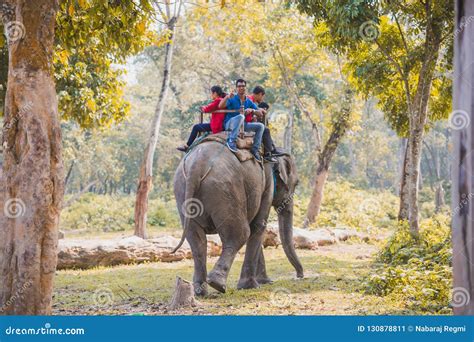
[233,199]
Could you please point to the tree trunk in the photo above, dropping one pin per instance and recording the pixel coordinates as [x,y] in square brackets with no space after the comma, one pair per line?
[314,206]
[183,296]
[288,135]
[33,181]
[325,158]
[403,210]
[418,118]
[463,182]
[146,169]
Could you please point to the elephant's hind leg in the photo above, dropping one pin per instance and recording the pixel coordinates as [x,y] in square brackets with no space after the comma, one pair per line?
[198,241]
[248,275]
[234,233]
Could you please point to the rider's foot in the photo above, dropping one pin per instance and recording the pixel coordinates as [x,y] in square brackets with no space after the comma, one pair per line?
[232,146]
[256,155]
[278,152]
[183,148]
[269,158]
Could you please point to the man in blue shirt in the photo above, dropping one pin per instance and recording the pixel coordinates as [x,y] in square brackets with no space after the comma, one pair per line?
[234,120]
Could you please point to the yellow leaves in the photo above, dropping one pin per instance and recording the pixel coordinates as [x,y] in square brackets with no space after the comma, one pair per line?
[91,105]
[141,27]
[71,10]
[83,4]
[63,56]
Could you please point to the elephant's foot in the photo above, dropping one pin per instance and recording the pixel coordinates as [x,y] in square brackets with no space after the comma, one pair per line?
[247,283]
[264,280]
[200,289]
[217,281]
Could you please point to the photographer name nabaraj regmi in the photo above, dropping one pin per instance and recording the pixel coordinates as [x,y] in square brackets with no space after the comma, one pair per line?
[440,329]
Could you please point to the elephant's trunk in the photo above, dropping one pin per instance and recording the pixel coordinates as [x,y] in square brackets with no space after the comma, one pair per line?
[285,223]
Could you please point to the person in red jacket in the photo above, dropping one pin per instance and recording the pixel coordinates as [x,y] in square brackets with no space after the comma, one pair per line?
[217,119]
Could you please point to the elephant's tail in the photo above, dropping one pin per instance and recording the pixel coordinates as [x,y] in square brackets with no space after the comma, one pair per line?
[191,208]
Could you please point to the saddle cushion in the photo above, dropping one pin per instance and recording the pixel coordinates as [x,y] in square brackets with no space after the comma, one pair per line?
[244,145]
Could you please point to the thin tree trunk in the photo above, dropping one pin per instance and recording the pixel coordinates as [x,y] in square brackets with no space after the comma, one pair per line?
[288,135]
[33,179]
[325,158]
[146,169]
[314,206]
[417,125]
[463,185]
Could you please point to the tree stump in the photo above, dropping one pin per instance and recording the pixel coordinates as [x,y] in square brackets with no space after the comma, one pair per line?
[183,295]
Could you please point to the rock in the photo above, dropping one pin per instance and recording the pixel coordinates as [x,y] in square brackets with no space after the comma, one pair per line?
[271,237]
[214,245]
[61,235]
[343,234]
[311,239]
[85,254]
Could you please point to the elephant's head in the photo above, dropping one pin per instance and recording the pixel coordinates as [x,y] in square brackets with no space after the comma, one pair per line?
[286,181]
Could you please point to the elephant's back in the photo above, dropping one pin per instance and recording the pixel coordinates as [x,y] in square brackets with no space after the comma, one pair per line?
[221,178]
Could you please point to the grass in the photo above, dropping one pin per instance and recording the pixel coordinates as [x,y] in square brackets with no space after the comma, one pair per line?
[333,286]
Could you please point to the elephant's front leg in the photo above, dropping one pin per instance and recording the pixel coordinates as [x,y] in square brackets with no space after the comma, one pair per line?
[248,275]
[262,277]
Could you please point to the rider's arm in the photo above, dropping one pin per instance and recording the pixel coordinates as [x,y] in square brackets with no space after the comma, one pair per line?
[223,103]
[214,105]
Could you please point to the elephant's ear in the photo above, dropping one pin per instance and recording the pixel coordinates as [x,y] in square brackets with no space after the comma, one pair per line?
[283,169]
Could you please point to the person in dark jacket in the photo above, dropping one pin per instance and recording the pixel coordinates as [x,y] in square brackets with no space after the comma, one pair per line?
[270,150]
[217,119]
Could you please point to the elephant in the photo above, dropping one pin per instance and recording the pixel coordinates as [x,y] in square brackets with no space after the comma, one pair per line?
[216,193]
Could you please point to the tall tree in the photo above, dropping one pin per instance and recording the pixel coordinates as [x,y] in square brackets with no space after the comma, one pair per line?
[33,170]
[289,53]
[170,14]
[397,51]
[463,164]
[39,35]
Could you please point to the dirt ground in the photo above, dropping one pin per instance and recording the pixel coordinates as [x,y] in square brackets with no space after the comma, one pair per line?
[333,285]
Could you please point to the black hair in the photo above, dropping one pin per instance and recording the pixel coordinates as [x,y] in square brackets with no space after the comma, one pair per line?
[264,105]
[240,80]
[217,89]
[258,90]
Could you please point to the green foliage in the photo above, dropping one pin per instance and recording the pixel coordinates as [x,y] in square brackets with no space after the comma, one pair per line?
[346,206]
[92,36]
[106,213]
[416,270]
[385,44]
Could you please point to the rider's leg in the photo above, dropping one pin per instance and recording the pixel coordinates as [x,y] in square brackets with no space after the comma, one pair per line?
[198,128]
[233,125]
[258,128]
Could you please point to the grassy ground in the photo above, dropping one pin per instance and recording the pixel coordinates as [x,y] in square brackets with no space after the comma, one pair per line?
[333,286]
